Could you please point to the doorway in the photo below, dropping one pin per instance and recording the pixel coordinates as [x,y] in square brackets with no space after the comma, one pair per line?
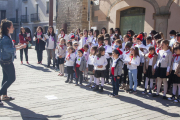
[132,19]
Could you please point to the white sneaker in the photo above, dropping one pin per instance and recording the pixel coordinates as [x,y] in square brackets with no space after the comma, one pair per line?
[65,75]
[1,102]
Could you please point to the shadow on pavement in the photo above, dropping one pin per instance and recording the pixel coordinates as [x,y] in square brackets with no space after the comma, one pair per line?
[38,68]
[27,114]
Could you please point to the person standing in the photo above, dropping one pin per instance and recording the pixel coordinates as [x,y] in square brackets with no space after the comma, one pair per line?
[40,43]
[24,39]
[63,35]
[7,57]
[51,46]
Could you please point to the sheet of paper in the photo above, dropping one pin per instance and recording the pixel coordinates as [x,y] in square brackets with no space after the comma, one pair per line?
[46,36]
[38,36]
[28,35]
[51,97]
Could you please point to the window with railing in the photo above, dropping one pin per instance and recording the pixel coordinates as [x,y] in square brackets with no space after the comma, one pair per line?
[35,17]
[47,7]
[24,18]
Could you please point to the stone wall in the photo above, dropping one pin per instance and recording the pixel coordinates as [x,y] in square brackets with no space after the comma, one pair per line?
[73,13]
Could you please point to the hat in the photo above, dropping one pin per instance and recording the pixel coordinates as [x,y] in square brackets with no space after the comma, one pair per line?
[81,50]
[178,34]
[72,37]
[140,37]
[173,32]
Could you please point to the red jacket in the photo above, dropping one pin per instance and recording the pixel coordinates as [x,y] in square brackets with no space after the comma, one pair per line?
[21,39]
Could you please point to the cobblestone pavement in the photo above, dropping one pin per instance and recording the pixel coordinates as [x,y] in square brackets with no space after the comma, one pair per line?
[41,94]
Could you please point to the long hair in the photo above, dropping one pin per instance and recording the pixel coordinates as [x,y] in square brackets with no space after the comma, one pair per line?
[21,30]
[3,28]
[116,52]
[117,36]
[132,32]
[176,46]
[91,30]
[153,48]
[112,31]
[53,34]
[71,48]
[108,39]
[86,31]
[166,42]
[97,33]
[78,29]
[120,42]
[101,38]
[136,51]
[104,29]
[100,50]
[119,31]
[95,49]
[39,27]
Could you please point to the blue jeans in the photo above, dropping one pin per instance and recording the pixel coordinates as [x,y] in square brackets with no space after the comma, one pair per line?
[115,85]
[8,77]
[133,78]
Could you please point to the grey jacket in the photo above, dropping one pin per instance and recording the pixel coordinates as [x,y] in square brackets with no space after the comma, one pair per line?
[165,58]
[118,68]
[82,64]
[55,41]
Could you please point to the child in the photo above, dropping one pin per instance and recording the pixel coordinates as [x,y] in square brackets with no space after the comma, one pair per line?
[126,54]
[69,44]
[75,46]
[118,46]
[73,39]
[100,40]
[133,61]
[108,54]
[148,42]
[90,37]
[70,58]
[90,65]
[61,56]
[79,66]
[162,67]
[116,71]
[150,61]
[95,39]
[142,52]
[158,42]
[135,39]
[81,41]
[86,55]
[175,73]
[126,38]
[100,63]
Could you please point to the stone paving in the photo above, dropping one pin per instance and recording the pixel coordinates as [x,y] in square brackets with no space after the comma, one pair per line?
[35,84]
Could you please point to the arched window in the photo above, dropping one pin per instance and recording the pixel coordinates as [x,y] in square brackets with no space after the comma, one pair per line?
[132,18]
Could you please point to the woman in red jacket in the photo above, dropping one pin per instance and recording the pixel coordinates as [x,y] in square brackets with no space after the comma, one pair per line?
[24,39]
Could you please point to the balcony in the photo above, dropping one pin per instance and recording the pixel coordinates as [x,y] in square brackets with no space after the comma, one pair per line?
[35,17]
[24,18]
[14,20]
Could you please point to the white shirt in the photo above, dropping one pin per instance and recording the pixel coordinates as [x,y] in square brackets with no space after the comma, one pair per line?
[78,61]
[90,39]
[151,61]
[90,60]
[126,54]
[51,43]
[94,42]
[134,63]
[65,37]
[71,60]
[108,49]
[114,62]
[176,62]
[100,61]
[172,41]
[123,45]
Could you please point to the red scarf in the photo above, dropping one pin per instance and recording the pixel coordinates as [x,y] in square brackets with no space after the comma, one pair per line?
[150,56]
[176,56]
[131,57]
[134,44]
[62,46]
[158,50]
[112,72]
[100,45]
[68,56]
[120,51]
[63,35]
[127,52]
[38,41]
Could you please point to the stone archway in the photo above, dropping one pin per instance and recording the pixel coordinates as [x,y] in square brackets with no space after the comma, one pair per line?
[120,5]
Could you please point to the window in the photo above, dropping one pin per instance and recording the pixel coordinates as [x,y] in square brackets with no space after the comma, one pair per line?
[45,29]
[3,14]
[132,19]
[47,7]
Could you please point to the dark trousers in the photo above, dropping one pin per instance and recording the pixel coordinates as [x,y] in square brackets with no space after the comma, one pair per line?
[139,75]
[39,55]
[57,63]
[125,74]
[8,77]
[70,72]
[25,52]
[79,75]
[107,70]
[115,85]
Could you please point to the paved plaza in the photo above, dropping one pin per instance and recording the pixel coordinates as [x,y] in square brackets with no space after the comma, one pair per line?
[42,95]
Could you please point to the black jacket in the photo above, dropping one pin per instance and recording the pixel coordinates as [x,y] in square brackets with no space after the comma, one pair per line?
[41,44]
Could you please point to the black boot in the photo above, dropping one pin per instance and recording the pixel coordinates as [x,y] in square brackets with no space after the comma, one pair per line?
[145,91]
[101,90]
[96,88]
[66,81]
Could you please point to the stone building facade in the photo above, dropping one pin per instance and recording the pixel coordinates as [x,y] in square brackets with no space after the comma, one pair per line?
[72,14]
[11,10]
[161,15]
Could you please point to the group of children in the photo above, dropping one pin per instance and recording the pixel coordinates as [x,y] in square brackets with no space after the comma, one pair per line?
[104,56]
